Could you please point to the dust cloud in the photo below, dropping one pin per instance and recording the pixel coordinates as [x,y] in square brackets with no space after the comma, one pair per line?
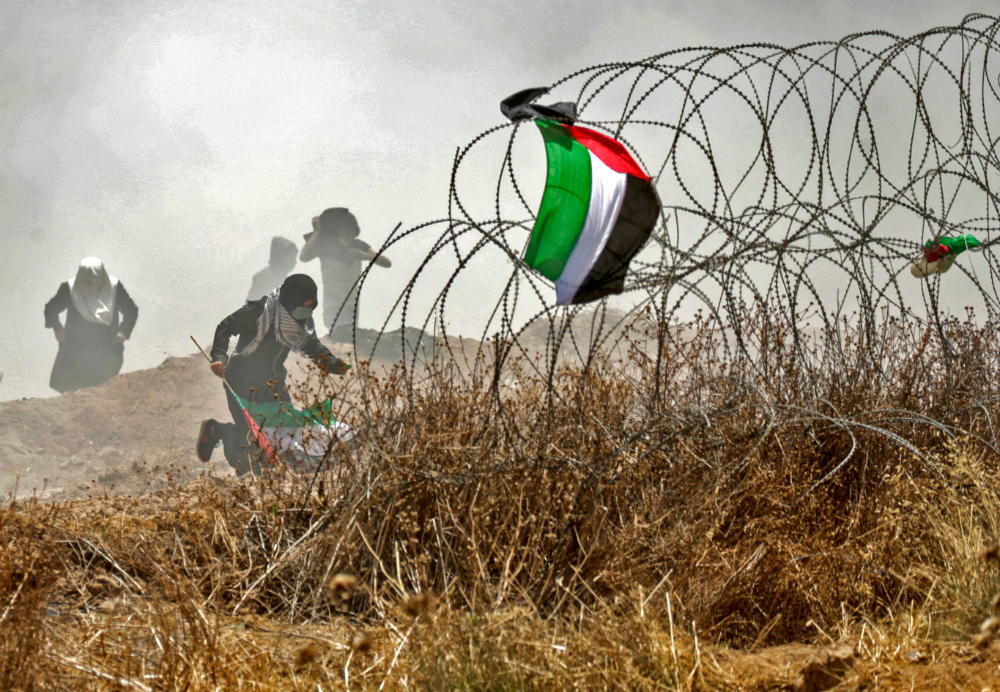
[173,139]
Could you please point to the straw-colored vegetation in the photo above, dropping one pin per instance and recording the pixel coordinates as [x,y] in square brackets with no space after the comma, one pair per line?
[702,523]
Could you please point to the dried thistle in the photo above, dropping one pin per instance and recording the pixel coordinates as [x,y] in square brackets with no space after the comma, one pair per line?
[990,625]
[417,604]
[341,586]
[306,655]
[361,642]
[987,631]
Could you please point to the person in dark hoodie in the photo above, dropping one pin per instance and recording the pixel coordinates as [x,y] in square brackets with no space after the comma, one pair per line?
[100,317]
[334,240]
[268,330]
[282,261]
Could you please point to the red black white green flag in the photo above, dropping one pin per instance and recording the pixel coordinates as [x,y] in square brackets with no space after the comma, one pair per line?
[258,435]
[598,209]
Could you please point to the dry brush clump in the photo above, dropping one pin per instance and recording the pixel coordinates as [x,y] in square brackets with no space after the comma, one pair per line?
[28,573]
[674,485]
[765,493]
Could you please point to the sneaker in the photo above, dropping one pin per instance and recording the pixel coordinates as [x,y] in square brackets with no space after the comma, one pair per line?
[208,440]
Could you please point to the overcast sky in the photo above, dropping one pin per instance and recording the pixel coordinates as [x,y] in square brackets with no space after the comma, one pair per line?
[173,139]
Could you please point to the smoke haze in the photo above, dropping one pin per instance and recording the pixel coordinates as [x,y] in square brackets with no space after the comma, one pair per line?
[173,139]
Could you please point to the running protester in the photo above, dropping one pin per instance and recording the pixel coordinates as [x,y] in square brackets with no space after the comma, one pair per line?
[268,330]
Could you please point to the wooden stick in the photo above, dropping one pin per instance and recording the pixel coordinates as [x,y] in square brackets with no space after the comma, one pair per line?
[209,359]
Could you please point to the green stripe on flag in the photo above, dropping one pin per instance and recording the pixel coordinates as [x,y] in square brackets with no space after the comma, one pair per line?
[277,414]
[564,205]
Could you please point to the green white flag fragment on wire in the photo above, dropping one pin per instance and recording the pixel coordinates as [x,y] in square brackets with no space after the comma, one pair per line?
[940,254]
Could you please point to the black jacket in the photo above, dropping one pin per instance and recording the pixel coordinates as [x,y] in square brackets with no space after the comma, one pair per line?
[264,368]
[90,355]
[122,320]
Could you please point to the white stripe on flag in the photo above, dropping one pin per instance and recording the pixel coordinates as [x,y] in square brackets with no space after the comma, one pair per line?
[607,191]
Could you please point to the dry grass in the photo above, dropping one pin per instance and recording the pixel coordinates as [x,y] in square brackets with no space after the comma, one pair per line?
[629,527]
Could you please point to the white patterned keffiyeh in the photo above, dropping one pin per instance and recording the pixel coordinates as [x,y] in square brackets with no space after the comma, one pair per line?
[287,331]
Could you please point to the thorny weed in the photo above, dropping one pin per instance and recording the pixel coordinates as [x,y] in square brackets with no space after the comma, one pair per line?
[744,505]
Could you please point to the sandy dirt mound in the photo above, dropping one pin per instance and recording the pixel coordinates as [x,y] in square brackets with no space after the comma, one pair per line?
[135,432]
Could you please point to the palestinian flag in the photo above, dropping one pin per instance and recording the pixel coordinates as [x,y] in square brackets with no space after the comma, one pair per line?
[279,428]
[940,254]
[281,414]
[258,435]
[598,209]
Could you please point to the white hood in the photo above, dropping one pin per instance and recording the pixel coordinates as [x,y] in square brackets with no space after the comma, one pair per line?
[93,291]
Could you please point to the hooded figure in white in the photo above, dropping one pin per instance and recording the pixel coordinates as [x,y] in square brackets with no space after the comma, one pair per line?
[93,291]
[100,316]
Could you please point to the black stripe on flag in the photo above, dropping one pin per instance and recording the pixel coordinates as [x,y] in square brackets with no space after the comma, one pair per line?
[636,220]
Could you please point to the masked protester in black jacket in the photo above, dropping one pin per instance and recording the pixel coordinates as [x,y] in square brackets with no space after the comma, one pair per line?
[268,330]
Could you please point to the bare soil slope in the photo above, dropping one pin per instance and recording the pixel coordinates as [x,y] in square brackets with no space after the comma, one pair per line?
[135,432]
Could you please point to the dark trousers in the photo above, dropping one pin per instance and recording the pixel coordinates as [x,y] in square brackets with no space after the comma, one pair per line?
[86,361]
[237,443]
[236,437]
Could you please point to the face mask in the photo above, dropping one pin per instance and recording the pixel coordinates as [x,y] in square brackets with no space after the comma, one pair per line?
[302,313]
